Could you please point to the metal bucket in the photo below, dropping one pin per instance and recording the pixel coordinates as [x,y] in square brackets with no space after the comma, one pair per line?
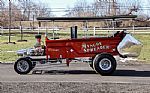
[129,46]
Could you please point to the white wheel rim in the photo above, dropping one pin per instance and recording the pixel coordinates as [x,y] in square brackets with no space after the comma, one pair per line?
[22,66]
[105,64]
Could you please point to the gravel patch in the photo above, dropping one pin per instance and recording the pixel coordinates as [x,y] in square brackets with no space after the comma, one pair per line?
[1,88]
[72,87]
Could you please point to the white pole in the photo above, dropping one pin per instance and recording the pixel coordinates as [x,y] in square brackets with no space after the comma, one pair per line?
[94,31]
[133,29]
[87,28]
[53,30]
[56,29]
[2,30]
[113,25]
[38,30]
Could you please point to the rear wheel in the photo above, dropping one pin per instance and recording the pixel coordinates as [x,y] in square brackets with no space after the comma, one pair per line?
[23,66]
[104,64]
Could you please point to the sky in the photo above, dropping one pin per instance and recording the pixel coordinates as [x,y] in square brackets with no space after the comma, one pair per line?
[69,3]
[61,4]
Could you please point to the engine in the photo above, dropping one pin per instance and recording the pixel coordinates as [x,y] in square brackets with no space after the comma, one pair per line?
[37,50]
[31,52]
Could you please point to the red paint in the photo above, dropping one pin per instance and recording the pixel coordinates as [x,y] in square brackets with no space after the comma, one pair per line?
[85,47]
[68,62]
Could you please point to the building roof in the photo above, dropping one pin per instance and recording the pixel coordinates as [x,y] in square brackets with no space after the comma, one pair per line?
[64,19]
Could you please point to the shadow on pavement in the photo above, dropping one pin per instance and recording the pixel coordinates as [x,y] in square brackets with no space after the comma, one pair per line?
[132,73]
[72,72]
[62,72]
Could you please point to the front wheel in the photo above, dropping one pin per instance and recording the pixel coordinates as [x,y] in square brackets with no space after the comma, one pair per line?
[104,64]
[23,66]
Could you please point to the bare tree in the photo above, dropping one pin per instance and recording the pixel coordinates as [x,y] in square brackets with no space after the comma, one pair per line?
[129,7]
[16,13]
[40,9]
[98,8]
[1,3]
[81,8]
[25,6]
[31,8]
[147,10]
[2,7]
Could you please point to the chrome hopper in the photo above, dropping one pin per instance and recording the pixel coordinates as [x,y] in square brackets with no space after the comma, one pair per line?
[129,46]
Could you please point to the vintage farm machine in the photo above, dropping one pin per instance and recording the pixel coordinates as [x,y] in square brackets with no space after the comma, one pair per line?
[98,51]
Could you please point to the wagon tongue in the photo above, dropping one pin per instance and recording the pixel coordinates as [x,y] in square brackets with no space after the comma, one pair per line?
[129,46]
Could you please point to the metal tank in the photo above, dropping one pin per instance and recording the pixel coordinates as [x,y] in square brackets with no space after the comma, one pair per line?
[129,46]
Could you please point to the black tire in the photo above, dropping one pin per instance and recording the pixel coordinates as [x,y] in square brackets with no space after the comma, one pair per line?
[33,64]
[91,63]
[104,64]
[23,66]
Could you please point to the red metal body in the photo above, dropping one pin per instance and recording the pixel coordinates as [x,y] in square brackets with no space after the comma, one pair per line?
[84,47]
[97,51]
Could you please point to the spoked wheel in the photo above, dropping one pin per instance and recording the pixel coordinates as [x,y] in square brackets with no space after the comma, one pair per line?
[104,64]
[23,66]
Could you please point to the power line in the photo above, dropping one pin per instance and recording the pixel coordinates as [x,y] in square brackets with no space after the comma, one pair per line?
[71,9]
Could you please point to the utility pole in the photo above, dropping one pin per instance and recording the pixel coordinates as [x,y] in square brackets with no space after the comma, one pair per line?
[9,21]
[109,7]
[113,7]
[10,17]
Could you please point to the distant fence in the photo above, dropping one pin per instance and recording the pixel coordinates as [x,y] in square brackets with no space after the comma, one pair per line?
[27,30]
[127,28]
[134,30]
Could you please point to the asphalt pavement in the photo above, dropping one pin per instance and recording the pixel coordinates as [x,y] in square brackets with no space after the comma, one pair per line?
[77,72]
[131,77]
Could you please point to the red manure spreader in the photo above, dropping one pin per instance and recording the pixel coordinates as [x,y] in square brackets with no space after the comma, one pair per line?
[99,51]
